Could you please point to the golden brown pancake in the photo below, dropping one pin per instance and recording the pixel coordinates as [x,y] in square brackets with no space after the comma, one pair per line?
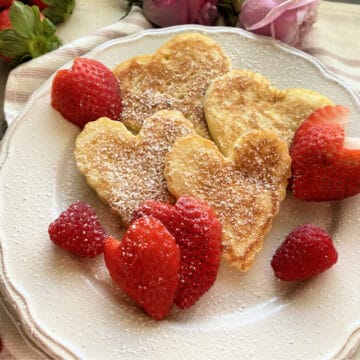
[126,169]
[175,77]
[245,189]
[242,100]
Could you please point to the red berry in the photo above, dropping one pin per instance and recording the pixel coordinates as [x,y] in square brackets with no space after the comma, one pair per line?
[307,251]
[322,169]
[197,231]
[5,4]
[86,92]
[5,22]
[78,230]
[145,264]
[39,3]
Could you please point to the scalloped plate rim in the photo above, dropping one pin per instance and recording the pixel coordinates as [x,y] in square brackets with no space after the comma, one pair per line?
[11,298]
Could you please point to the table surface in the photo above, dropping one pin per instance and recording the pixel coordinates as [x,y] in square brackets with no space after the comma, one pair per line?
[79,25]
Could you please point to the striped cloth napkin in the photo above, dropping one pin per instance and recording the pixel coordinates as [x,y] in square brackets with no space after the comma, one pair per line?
[334,40]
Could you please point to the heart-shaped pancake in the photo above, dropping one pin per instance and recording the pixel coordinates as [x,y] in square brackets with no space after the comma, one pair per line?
[245,189]
[175,77]
[241,100]
[126,169]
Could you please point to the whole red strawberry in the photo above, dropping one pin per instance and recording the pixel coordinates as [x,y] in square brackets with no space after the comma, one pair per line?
[78,230]
[307,251]
[5,4]
[86,92]
[28,36]
[55,10]
[5,22]
[145,264]
[322,169]
[39,3]
[197,231]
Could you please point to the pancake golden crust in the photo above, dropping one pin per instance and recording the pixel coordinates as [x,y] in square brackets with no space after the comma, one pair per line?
[245,189]
[126,169]
[176,77]
[241,100]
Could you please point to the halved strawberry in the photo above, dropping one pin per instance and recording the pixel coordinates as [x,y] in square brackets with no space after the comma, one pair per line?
[322,169]
[86,92]
[197,231]
[145,264]
[307,251]
[78,231]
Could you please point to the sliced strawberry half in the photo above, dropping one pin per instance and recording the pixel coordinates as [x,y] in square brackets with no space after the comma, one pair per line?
[145,265]
[322,169]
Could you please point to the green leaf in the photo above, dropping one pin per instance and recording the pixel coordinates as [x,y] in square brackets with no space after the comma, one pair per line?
[29,37]
[38,24]
[22,19]
[49,28]
[12,45]
[58,10]
[227,11]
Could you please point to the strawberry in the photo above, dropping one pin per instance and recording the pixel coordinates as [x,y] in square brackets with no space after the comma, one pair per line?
[307,251]
[28,36]
[78,230]
[322,169]
[197,231]
[39,3]
[5,22]
[145,264]
[85,92]
[5,4]
[55,10]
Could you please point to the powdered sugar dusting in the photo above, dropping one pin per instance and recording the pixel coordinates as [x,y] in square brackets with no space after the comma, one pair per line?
[124,169]
[245,189]
[175,77]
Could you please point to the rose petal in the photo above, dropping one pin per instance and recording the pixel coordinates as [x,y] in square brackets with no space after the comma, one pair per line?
[287,28]
[194,7]
[274,13]
[166,13]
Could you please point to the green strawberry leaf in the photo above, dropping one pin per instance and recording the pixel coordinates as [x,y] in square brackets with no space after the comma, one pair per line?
[227,11]
[58,10]
[49,28]
[29,36]
[22,19]
[11,43]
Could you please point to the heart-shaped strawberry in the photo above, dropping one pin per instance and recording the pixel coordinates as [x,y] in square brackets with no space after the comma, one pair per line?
[197,231]
[245,189]
[145,264]
[322,169]
[86,92]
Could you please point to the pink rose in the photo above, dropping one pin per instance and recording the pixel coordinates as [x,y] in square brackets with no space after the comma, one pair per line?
[176,12]
[285,20]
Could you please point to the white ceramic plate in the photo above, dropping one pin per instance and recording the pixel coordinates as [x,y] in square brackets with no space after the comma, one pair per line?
[69,308]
